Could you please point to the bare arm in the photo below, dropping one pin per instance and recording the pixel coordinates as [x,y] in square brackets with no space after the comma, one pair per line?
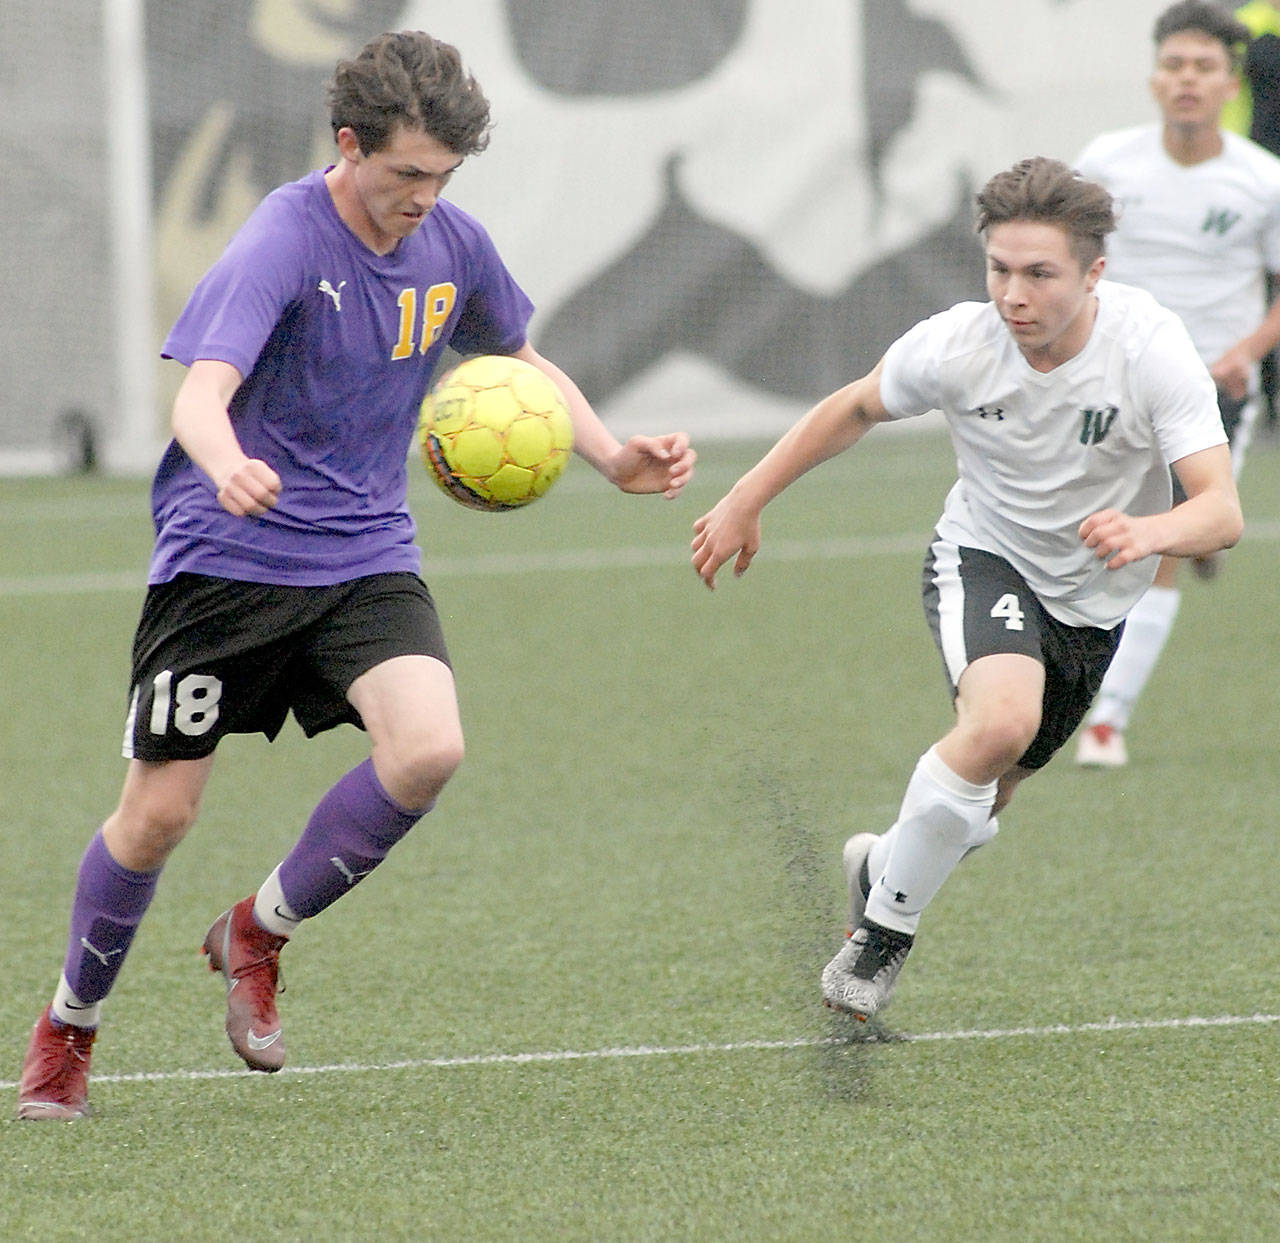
[1232,371]
[202,426]
[644,464]
[836,423]
[1209,519]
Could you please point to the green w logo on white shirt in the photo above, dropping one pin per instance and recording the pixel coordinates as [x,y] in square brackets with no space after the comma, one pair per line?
[1097,423]
[1219,220]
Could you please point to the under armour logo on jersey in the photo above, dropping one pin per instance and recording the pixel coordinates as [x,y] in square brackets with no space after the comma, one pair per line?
[1097,423]
[996,413]
[1219,220]
[335,294]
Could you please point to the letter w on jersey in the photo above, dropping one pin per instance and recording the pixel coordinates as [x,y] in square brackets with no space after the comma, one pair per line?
[1097,423]
[1219,220]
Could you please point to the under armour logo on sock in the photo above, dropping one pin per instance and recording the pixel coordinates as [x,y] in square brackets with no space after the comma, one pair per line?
[351,876]
[898,895]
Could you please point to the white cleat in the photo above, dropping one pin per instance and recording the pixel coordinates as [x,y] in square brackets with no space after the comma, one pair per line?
[854,858]
[860,978]
[1101,746]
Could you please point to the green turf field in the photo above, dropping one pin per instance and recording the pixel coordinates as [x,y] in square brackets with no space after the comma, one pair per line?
[580,1001]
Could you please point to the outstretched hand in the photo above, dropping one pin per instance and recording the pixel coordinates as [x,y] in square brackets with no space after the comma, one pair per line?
[729,529]
[653,464]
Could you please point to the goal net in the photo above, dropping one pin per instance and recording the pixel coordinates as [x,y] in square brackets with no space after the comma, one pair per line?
[74,270]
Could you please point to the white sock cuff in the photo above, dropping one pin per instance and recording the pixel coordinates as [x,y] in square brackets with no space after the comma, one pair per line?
[940,773]
[68,1008]
[271,909]
[1157,604]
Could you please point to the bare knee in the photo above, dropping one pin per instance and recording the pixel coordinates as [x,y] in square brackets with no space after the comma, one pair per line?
[413,772]
[1008,737]
[998,709]
[158,805]
[142,834]
[992,743]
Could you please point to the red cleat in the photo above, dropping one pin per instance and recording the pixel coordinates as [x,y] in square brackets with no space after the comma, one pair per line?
[249,958]
[55,1076]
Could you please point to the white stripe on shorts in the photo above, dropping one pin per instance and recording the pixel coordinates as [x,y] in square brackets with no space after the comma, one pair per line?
[946,578]
[126,746]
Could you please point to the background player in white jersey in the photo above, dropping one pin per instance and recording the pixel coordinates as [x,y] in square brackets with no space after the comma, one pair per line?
[1068,398]
[1199,227]
[285,575]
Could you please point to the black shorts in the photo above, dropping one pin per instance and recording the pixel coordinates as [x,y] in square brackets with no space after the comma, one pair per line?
[977,604]
[215,656]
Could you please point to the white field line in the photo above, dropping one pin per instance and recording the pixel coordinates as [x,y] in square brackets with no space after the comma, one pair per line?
[498,564]
[483,1060]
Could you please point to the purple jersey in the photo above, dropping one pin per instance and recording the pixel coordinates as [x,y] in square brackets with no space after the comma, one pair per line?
[337,346]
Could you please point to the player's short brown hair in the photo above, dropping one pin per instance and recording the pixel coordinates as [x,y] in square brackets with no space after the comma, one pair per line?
[1050,192]
[409,78]
[1204,18]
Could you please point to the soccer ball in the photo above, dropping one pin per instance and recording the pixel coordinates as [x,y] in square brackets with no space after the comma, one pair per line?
[495,432]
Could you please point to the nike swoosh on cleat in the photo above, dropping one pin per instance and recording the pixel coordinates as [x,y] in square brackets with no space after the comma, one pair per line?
[258,1043]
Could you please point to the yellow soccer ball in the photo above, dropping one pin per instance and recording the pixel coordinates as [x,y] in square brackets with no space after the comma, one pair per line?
[495,432]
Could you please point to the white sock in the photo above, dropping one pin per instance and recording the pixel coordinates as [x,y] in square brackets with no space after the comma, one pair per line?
[272,911]
[878,855]
[68,1008]
[981,835]
[941,813]
[1145,634]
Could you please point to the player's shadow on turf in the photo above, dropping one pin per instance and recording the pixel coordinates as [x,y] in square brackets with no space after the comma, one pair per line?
[844,1059]
[843,1046]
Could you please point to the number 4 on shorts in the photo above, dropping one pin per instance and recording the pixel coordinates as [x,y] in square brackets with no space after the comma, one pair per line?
[1009,610]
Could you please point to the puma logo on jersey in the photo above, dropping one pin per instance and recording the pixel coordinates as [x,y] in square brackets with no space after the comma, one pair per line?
[336,294]
[1097,423]
[1219,220]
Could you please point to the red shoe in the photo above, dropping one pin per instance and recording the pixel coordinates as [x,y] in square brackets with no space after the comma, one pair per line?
[55,1076]
[249,958]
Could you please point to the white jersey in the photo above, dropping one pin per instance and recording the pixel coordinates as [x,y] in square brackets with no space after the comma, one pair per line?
[1038,452]
[1200,237]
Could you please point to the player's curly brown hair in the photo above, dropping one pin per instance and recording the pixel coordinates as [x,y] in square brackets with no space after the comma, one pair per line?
[407,77]
[1050,192]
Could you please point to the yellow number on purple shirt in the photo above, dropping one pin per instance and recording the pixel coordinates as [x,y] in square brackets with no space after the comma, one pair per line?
[437,306]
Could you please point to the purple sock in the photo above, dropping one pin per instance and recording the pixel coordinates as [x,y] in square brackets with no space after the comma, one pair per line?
[349,834]
[109,904]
